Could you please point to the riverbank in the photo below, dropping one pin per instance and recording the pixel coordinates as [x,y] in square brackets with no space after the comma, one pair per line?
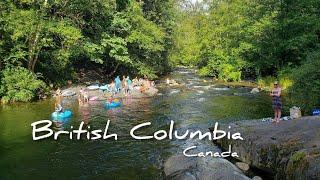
[238,84]
[288,150]
[85,78]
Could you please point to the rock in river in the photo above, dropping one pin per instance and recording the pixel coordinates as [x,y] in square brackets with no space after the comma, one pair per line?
[243,166]
[180,167]
[256,178]
[254,91]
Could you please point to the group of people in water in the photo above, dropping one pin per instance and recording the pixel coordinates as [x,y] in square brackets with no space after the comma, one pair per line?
[126,86]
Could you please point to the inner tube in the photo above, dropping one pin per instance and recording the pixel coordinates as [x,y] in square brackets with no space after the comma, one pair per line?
[112,104]
[94,98]
[105,87]
[93,87]
[61,115]
[68,93]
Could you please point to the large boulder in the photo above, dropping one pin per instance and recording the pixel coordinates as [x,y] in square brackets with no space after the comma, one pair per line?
[288,150]
[180,167]
[254,91]
[256,178]
[243,166]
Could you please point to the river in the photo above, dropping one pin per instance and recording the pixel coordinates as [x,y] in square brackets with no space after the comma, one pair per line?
[197,104]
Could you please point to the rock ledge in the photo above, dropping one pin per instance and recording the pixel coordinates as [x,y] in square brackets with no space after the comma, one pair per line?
[289,150]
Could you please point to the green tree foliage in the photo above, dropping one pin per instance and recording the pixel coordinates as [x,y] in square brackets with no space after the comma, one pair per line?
[305,91]
[34,35]
[262,39]
[246,38]
[55,37]
[225,39]
[163,14]
[146,42]
[19,84]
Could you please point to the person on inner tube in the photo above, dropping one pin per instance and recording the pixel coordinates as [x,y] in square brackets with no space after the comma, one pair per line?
[58,101]
[110,100]
[59,108]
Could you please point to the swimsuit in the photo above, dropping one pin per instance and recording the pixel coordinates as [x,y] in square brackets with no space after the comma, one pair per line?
[276,101]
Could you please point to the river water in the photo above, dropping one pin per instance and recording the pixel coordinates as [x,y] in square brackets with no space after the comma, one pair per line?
[196,105]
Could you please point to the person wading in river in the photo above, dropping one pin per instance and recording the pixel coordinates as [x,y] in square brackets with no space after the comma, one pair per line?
[58,101]
[276,102]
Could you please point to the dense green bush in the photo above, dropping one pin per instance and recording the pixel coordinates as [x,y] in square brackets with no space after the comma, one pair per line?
[19,84]
[223,71]
[305,91]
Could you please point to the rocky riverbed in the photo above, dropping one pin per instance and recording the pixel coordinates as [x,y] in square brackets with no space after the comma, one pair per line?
[288,150]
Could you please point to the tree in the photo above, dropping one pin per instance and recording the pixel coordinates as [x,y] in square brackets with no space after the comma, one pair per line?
[32,33]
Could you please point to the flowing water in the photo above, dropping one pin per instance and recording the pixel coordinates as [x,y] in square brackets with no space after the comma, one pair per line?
[193,105]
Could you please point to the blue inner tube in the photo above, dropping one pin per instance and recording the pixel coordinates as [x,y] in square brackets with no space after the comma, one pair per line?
[61,115]
[112,105]
[104,87]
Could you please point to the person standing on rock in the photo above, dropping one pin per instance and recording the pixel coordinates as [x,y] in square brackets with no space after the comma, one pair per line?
[276,102]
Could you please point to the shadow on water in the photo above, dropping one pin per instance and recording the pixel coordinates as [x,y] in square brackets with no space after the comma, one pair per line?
[193,105]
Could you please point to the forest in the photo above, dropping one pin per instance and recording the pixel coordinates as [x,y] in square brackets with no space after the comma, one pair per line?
[48,42]
[44,44]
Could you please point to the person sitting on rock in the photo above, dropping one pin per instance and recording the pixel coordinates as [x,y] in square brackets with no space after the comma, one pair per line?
[135,82]
[142,88]
[141,81]
[147,84]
